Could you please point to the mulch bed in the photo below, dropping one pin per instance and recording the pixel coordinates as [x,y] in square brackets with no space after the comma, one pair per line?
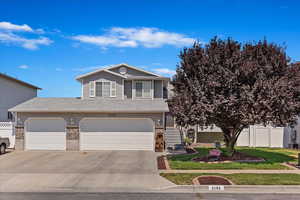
[237,157]
[212,180]
[161,163]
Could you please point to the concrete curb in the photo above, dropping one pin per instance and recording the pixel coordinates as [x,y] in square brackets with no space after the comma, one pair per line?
[263,189]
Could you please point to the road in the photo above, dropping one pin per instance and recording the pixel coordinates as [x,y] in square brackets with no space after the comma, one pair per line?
[143,196]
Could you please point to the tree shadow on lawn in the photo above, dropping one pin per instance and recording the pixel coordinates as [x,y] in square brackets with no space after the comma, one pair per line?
[267,154]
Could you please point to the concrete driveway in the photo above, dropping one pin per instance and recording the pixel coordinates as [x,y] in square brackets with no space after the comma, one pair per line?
[35,171]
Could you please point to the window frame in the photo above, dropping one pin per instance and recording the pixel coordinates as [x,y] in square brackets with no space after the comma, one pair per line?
[111,89]
[143,89]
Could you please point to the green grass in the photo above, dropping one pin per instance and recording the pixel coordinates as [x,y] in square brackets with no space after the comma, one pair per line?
[273,159]
[240,179]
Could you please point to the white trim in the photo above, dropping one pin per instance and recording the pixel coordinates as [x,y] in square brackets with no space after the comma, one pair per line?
[110,87]
[92,89]
[81,89]
[99,70]
[107,69]
[162,89]
[151,89]
[132,67]
[123,89]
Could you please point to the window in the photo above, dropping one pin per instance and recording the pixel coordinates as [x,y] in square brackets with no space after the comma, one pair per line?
[10,116]
[104,88]
[143,89]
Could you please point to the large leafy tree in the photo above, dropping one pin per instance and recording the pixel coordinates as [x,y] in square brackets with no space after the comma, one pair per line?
[233,85]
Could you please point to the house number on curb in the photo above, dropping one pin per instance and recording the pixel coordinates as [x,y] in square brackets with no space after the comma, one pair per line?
[215,187]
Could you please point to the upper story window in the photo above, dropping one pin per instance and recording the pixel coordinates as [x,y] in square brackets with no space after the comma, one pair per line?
[143,89]
[103,89]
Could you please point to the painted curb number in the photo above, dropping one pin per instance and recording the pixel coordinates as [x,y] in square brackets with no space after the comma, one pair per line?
[215,187]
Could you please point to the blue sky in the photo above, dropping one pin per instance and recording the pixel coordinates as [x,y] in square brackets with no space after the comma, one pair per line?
[49,42]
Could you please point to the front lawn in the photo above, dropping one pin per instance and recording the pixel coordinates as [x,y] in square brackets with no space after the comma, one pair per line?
[240,179]
[274,158]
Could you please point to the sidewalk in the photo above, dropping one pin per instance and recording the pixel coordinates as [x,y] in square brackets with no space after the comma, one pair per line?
[233,171]
[246,189]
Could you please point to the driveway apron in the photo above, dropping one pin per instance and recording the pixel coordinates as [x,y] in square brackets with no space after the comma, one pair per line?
[38,171]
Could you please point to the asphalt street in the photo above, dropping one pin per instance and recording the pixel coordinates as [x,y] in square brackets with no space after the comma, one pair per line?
[143,196]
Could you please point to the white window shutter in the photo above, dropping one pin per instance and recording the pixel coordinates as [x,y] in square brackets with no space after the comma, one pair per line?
[92,88]
[113,89]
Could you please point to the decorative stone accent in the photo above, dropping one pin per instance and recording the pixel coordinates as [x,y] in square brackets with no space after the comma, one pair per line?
[19,132]
[19,143]
[72,133]
[159,140]
[72,138]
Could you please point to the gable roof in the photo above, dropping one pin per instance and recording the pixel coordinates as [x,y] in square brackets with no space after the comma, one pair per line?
[108,69]
[19,81]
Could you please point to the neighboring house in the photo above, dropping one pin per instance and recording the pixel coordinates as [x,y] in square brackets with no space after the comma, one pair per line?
[121,108]
[12,93]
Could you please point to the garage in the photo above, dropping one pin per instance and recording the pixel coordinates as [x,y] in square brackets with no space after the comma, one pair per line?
[45,134]
[116,134]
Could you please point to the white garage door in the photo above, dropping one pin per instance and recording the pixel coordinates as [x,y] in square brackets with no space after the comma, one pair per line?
[116,134]
[45,134]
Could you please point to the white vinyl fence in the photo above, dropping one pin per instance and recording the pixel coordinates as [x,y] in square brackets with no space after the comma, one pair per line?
[6,130]
[261,136]
[258,136]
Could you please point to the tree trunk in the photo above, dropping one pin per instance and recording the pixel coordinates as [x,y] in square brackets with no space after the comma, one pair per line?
[230,138]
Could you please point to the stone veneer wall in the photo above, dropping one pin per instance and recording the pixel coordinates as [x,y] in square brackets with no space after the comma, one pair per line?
[19,143]
[159,139]
[73,138]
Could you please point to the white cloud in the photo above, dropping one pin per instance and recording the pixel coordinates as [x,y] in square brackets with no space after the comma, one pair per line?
[165,71]
[32,44]
[134,37]
[10,34]
[13,27]
[23,67]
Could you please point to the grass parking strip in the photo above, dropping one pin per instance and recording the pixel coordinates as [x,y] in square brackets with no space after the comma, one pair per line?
[239,179]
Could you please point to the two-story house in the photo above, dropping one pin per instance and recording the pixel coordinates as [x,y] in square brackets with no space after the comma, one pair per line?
[121,108]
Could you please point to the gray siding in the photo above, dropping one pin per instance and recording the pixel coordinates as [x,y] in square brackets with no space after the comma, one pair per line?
[73,119]
[158,89]
[12,94]
[103,76]
[131,72]
[128,89]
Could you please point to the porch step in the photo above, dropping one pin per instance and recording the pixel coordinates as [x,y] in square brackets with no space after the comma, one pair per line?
[173,138]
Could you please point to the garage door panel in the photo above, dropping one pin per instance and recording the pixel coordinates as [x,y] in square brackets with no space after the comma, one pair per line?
[117,134]
[117,141]
[45,134]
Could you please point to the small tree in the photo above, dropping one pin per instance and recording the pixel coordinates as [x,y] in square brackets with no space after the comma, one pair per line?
[233,85]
